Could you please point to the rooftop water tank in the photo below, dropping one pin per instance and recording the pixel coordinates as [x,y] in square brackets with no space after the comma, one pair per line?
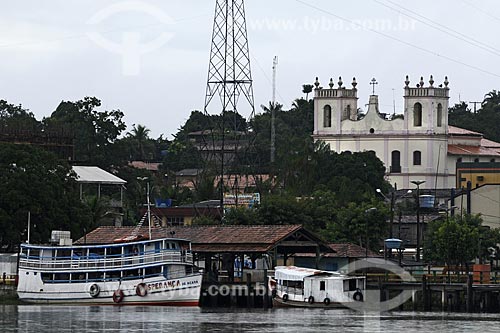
[427,201]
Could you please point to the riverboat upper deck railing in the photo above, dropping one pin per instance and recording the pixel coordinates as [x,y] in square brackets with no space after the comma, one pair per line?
[126,261]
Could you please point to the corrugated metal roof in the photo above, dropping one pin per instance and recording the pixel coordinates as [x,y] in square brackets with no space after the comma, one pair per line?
[92,174]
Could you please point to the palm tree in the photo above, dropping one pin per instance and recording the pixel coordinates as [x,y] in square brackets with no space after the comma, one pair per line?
[307,89]
[140,136]
[493,98]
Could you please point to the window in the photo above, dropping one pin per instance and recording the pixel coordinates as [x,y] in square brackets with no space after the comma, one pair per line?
[417,115]
[396,162]
[327,116]
[459,160]
[322,285]
[476,160]
[440,115]
[417,158]
[347,114]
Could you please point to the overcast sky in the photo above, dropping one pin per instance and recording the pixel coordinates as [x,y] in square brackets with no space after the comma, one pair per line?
[53,50]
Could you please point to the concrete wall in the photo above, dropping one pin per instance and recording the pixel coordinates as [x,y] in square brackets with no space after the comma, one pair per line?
[485,200]
[8,264]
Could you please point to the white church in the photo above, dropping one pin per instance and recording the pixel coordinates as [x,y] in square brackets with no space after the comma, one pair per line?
[418,146]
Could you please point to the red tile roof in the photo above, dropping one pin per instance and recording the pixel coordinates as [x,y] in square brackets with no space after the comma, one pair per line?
[489,144]
[473,150]
[145,165]
[207,238]
[349,250]
[452,130]
[344,250]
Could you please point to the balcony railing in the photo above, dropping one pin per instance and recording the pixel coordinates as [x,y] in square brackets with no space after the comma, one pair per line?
[123,262]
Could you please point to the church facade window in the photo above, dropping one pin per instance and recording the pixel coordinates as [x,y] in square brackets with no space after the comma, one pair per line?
[440,115]
[327,116]
[396,161]
[417,115]
[417,157]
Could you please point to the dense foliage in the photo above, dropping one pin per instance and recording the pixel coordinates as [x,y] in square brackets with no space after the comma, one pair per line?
[459,239]
[35,181]
[485,120]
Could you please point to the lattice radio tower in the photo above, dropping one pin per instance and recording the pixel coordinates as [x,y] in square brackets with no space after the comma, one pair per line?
[229,77]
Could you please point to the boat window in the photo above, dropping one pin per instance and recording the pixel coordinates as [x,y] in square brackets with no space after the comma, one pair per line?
[34,254]
[350,285]
[63,254]
[153,271]
[114,252]
[113,275]
[61,277]
[132,273]
[96,276]
[322,285]
[46,277]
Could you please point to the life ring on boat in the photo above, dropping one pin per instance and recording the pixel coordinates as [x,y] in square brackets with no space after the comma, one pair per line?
[285,297]
[326,301]
[141,290]
[94,290]
[310,300]
[118,296]
[358,296]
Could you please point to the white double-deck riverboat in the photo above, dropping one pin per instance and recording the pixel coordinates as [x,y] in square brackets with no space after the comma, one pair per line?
[128,271]
[305,287]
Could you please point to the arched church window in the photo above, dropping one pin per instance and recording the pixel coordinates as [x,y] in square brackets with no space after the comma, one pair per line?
[347,112]
[396,161]
[417,157]
[440,115]
[417,115]
[327,116]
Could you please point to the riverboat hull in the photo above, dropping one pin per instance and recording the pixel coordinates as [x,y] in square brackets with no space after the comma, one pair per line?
[184,291]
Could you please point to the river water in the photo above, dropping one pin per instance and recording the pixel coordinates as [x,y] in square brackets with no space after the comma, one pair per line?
[59,319]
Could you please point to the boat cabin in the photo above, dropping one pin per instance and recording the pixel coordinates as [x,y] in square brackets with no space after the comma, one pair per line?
[310,285]
[121,260]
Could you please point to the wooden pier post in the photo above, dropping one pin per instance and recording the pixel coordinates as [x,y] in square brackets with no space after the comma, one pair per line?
[425,293]
[249,291]
[470,294]
[266,294]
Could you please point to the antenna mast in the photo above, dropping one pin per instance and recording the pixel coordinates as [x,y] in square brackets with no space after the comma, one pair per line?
[229,77]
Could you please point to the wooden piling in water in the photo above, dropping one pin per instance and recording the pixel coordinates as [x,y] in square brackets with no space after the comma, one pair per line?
[470,294]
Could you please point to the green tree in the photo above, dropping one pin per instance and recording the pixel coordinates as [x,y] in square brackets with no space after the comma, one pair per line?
[307,89]
[16,117]
[458,240]
[95,131]
[33,180]
[142,144]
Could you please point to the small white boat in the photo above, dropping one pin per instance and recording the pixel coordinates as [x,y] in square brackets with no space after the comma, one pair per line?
[129,271]
[305,287]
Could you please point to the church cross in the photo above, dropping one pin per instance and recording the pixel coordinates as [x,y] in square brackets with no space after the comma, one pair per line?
[374,83]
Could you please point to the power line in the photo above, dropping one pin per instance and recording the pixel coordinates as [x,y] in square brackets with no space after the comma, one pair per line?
[481,10]
[400,40]
[110,31]
[436,25]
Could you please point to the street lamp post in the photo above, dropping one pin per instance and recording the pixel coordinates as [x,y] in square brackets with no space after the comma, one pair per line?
[418,183]
[379,191]
[148,204]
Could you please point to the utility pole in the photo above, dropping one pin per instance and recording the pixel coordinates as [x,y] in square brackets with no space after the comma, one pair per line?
[418,183]
[273,110]
[475,105]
